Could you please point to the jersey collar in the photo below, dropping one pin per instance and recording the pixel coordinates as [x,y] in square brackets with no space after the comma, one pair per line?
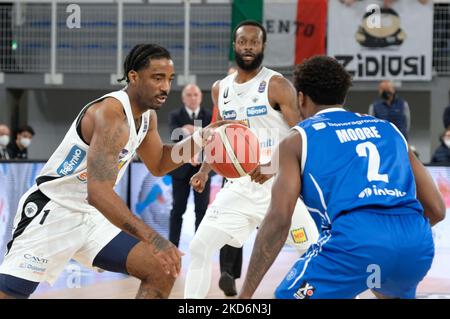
[331,109]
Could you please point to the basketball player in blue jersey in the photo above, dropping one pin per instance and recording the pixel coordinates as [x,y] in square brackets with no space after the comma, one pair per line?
[357,175]
[73,212]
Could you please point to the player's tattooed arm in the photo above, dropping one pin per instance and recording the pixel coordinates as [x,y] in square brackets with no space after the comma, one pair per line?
[275,226]
[110,135]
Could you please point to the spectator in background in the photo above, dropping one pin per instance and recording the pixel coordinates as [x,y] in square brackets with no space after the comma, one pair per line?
[18,149]
[442,153]
[5,134]
[183,118]
[446,117]
[391,108]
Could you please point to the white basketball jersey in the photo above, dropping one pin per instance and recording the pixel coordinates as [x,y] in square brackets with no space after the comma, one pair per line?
[249,102]
[64,177]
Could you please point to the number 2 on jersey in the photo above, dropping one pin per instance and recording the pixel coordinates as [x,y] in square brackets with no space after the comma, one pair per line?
[374,161]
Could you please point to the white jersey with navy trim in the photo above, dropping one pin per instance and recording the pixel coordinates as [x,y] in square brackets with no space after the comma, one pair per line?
[249,102]
[64,177]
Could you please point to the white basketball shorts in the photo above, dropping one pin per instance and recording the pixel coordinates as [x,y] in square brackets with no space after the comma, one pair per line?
[46,236]
[240,207]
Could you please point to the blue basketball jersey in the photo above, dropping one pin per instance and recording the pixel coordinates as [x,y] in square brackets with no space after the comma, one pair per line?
[355,162]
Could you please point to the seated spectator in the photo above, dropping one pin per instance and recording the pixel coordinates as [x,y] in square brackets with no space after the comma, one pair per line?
[4,141]
[442,153]
[18,149]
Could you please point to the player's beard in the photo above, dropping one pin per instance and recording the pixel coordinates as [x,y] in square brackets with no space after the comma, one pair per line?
[255,64]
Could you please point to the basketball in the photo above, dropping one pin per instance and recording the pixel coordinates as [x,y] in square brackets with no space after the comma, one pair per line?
[232,151]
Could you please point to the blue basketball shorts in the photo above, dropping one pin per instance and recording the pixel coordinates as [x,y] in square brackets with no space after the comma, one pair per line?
[390,254]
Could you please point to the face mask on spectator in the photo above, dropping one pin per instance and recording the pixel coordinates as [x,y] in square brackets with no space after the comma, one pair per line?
[4,140]
[386,95]
[447,142]
[25,141]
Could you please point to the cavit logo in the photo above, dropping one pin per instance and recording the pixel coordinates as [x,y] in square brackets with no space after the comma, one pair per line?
[229,115]
[72,161]
[257,110]
[367,192]
[35,259]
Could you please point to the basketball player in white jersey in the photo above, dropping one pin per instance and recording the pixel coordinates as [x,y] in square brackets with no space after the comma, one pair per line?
[73,212]
[266,101]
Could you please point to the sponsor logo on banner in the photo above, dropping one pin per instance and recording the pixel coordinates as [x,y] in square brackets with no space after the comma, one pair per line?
[299,235]
[229,115]
[72,161]
[395,49]
[30,210]
[257,110]
[305,291]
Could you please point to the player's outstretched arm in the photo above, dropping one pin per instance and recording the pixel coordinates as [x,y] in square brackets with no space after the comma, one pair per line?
[427,192]
[110,135]
[275,226]
[161,159]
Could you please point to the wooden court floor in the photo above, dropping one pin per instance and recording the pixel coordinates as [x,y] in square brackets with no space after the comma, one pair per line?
[431,287]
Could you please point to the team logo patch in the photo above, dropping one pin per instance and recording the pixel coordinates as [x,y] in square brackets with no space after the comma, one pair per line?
[145,124]
[82,177]
[262,86]
[305,291]
[319,126]
[299,235]
[229,115]
[225,93]
[122,158]
[72,161]
[123,153]
[30,210]
[257,110]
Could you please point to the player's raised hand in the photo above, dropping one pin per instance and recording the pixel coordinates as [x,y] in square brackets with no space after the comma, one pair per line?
[257,176]
[198,181]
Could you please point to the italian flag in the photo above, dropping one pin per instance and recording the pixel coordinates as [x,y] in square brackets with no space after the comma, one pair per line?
[296,29]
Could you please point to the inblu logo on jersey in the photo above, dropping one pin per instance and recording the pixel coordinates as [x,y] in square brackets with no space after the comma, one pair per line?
[72,161]
[367,192]
[229,115]
[257,110]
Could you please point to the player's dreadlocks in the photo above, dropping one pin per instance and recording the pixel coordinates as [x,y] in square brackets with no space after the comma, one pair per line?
[140,56]
[323,79]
